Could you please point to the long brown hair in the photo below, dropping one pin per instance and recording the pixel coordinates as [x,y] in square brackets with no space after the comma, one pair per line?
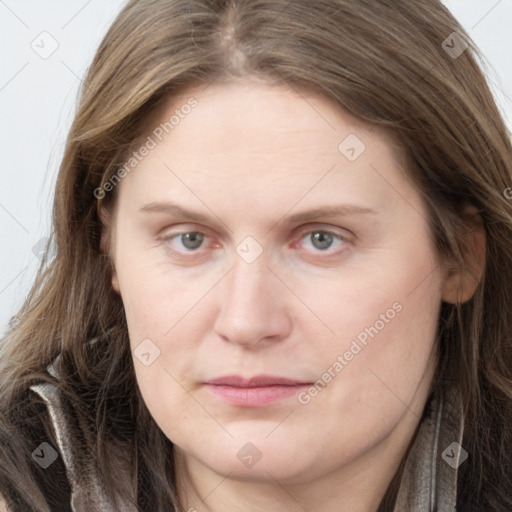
[384,62]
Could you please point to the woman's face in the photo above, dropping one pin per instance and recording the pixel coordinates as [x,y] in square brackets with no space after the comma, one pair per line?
[280,285]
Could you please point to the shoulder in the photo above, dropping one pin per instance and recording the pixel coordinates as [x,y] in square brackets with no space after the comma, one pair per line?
[32,474]
[50,446]
[45,447]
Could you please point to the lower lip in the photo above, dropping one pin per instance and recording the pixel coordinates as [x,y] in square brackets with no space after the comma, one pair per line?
[254,396]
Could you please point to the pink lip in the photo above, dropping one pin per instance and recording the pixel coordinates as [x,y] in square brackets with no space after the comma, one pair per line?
[256,391]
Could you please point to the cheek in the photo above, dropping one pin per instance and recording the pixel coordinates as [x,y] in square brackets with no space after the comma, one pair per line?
[166,320]
[155,297]
[376,368]
[384,309]
[382,351]
[165,396]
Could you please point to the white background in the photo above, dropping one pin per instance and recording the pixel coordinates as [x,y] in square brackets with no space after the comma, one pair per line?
[38,97]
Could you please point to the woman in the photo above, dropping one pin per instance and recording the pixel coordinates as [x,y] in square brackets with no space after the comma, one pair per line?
[281,279]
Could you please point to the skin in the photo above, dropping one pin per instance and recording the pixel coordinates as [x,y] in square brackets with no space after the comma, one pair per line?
[248,157]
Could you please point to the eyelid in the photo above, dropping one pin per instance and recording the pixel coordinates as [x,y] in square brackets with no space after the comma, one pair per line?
[332,230]
[168,236]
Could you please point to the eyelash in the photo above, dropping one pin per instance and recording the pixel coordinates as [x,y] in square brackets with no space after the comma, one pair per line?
[328,252]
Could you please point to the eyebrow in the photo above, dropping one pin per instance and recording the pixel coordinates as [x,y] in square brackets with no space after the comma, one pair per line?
[173,209]
[323,212]
[330,211]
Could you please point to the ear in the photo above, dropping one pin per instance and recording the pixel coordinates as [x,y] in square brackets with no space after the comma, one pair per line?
[105,242]
[460,284]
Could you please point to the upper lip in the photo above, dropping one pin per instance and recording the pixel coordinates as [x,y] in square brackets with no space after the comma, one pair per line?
[253,382]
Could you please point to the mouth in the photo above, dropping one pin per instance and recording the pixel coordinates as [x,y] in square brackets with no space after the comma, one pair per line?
[256,391]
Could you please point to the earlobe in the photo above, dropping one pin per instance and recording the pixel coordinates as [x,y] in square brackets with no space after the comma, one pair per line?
[460,284]
[114,281]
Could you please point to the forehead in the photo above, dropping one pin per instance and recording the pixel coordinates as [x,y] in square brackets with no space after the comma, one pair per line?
[265,117]
[262,142]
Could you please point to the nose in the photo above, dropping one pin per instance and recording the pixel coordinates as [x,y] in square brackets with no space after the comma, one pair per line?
[253,305]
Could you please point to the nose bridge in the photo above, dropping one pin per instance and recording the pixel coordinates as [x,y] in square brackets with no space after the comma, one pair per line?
[249,310]
[247,281]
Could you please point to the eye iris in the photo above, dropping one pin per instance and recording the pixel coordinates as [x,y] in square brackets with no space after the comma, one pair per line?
[322,240]
[192,240]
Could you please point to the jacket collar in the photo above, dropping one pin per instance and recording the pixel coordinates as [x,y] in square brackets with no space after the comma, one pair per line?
[429,479]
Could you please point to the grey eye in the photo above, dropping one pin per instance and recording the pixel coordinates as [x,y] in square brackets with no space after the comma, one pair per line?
[191,240]
[321,239]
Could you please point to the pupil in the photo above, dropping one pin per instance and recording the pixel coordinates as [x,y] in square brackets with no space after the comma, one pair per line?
[322,240]
[192,240]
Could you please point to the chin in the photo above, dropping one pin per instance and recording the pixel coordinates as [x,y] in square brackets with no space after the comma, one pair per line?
[259,460]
